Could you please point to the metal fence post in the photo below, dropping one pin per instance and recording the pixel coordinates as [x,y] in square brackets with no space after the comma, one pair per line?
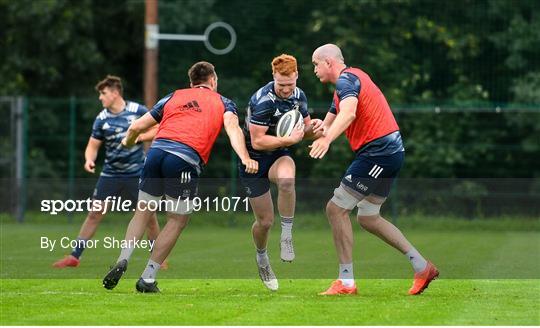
[71,151]
[233,172]
[21,119]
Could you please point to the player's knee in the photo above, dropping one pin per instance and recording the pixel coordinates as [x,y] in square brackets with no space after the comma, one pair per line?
[334,211]
[267,225]
[330,208]
[180,219]
[368,212]
[265,221]
[342,199]
[286,185]
[368,222]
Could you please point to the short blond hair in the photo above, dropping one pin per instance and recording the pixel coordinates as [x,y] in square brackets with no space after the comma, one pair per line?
[284,64]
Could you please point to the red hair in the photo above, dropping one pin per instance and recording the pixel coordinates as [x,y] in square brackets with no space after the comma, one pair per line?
[284,64]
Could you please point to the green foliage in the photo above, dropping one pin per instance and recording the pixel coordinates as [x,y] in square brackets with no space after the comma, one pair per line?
[460,54]
[60,48]
[48,46]
[418,51]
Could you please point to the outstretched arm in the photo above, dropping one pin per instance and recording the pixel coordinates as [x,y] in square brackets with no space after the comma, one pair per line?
[148,135]
[136,128]
[313,128]
[340,123]
[236,138]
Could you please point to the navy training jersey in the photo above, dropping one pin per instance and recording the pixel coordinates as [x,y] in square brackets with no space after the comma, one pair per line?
[265,108]
[111,128]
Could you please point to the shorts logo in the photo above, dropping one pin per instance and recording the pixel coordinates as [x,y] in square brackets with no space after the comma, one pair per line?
[361,187]
[248,191]
[185,177]
[375,171]
[186,193]
[348,178]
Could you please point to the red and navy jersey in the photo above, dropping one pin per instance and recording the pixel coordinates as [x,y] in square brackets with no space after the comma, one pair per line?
[374,130]
[190,121]
[265,108]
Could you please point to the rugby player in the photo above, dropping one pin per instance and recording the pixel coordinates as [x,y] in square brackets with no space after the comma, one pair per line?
[189,123]
[276,165]
[122,167]
[361,111]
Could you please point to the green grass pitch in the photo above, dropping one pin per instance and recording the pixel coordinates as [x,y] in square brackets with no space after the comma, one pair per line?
[488,277]
[245,302]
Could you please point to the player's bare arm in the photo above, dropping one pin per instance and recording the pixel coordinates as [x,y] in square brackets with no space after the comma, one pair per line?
[90,154]
[344,118]
[262,141]
[328,120]
[147,135]
[236,137]
[136,128]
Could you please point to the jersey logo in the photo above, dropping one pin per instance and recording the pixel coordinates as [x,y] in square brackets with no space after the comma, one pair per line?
[192,105]
[106,126]
[277,113]
[130,119]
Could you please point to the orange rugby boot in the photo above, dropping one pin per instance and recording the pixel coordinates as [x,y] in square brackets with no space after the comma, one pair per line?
[422,279]
[67,261]
[337,288]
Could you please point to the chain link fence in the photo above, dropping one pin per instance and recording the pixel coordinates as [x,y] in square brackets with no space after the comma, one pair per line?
[464,162]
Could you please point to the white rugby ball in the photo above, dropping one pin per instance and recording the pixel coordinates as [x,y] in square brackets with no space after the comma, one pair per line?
[287,122]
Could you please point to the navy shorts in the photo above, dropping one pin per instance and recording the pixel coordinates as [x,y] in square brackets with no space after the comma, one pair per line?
[167,174]
[257,184]
[373,174]
[125,187]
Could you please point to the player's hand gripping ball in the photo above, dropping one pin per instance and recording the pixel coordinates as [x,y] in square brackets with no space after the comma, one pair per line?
[287,122]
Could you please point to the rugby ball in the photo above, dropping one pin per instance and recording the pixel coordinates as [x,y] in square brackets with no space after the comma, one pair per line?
[287,122]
